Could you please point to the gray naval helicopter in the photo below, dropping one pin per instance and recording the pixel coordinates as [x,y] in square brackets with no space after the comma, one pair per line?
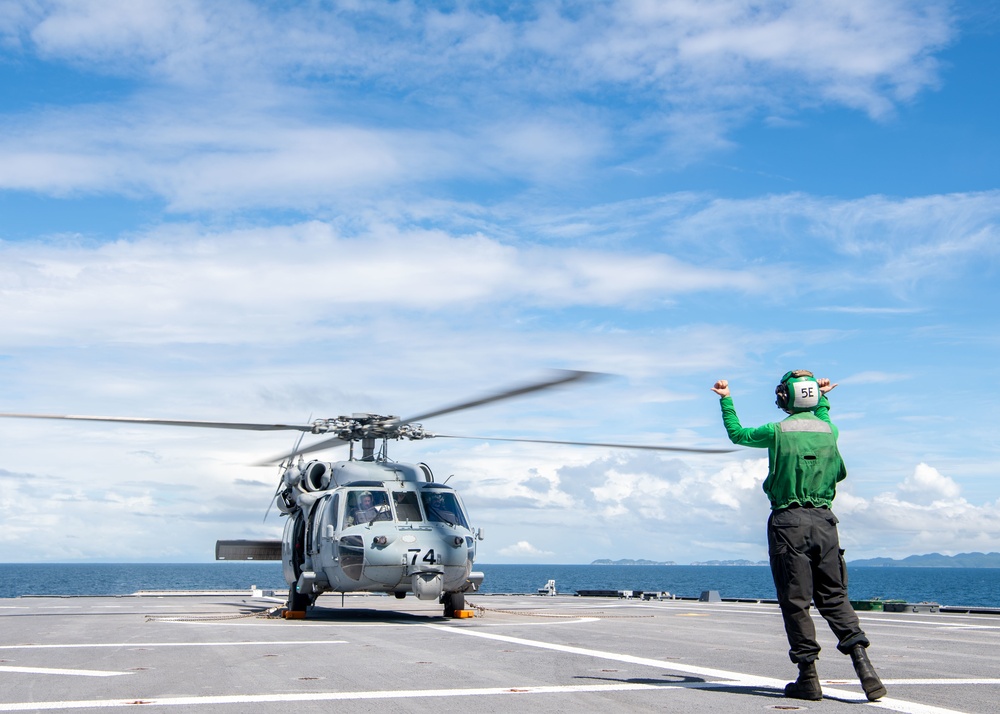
[369,523]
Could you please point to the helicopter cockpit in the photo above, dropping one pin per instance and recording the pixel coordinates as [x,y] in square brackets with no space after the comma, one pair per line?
[367,506]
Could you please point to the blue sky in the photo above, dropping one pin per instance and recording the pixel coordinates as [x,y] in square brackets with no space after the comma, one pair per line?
[270,212]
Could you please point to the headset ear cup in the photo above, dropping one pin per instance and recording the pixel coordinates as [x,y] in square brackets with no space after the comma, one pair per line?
[781,396]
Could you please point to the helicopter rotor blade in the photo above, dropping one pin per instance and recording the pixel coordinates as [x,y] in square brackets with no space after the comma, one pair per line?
[168,422]
[560,377]
[285,464]
[274,498]
[642,447]
[318,446]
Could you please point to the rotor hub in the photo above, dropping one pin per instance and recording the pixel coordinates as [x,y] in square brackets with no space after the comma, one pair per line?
[359,427]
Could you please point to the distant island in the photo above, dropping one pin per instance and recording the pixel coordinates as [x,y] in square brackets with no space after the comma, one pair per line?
[934,560]
[930,560]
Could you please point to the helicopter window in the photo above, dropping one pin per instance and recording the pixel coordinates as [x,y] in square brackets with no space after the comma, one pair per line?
[352,556]
[406,506]
[442,506]
[364,506]
[324,513]
[332,511]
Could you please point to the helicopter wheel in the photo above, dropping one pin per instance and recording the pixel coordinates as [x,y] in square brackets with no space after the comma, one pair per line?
[297,602]
[453,602]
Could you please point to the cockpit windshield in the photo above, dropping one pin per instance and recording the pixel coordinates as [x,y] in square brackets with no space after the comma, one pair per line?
[364,506]
[443,507]
[407,510]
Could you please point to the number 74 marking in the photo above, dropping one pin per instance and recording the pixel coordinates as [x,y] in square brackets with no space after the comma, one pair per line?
[428,557]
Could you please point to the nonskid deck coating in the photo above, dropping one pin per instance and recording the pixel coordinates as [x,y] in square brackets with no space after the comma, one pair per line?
[216,652]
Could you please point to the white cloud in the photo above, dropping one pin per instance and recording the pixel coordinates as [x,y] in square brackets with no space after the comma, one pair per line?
[180,41]
[896,244]
[250,105]
[636,506]
[928,486]
[862,43]
[907,522]
[633,505]
[95,498]
[870,310]
[924,513]
[184,282]
[523,549]
[873,377]
[177,284]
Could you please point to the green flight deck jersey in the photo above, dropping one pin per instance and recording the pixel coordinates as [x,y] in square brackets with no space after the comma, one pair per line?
[804,463]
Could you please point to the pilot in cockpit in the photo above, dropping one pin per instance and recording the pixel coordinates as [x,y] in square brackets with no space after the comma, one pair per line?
[365,510]
[438,510]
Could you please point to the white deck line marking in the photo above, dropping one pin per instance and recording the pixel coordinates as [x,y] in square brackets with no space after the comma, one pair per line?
[311,624]
[69,672]
[919,682]
[631,659]
[739,678]
[327,696]
[928,623]
[397,694]
[936,627]
[139,645]
[316,624]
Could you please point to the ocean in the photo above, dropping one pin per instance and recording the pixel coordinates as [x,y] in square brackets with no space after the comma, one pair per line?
[969,587]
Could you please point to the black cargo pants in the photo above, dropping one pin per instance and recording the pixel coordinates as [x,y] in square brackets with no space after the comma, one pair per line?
[808,565]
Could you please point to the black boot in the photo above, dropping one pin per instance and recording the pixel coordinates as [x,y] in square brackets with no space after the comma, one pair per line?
[874,689]
[807,685]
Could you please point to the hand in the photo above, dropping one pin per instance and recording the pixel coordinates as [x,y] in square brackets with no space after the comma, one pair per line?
[824,385]
[722,388]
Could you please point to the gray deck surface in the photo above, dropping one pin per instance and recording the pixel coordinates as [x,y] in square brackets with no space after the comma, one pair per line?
[213,653]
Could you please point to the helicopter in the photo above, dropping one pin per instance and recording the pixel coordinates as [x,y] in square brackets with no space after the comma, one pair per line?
[368,523]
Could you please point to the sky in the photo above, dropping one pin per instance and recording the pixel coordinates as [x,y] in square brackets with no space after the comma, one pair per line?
[273,212]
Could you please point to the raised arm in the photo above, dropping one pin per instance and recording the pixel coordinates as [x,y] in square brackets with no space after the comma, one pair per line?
[759,437]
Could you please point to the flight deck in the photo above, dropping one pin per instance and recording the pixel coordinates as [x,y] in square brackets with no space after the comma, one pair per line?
[232,652]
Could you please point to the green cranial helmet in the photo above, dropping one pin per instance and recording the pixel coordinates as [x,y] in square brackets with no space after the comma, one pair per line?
[798,391]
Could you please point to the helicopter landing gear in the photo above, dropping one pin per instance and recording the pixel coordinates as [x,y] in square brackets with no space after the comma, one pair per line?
[297,602]
[453,602]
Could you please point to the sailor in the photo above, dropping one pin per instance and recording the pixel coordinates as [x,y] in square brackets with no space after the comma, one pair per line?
[807,564]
